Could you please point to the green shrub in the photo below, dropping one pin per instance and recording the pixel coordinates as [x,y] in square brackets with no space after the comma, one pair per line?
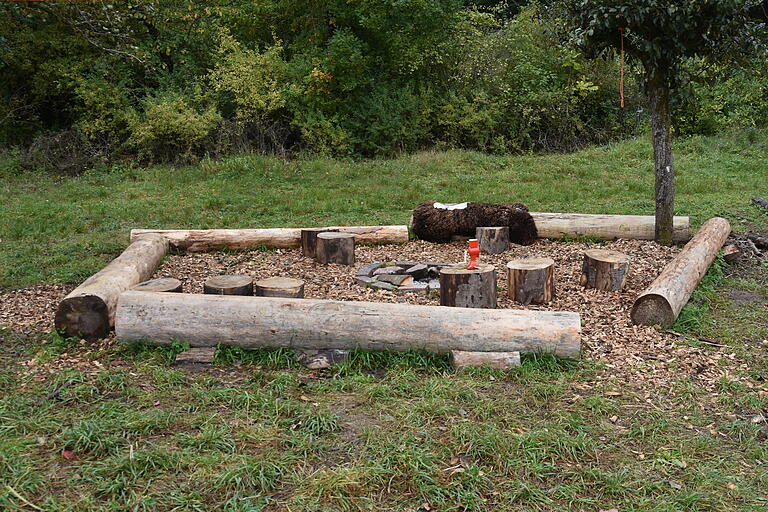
[170,127]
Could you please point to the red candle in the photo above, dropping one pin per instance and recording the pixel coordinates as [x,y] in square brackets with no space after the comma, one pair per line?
[474,253]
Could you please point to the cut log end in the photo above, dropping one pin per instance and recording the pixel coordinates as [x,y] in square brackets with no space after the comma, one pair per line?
[653,309]
[309,240]
[164,284]
[228,285]
[85,316]
[497,360]
[604,270]
[286,287]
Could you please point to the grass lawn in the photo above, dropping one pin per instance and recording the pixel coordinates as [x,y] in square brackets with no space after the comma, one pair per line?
[104,427]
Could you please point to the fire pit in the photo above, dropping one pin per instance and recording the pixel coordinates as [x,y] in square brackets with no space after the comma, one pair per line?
[401,276]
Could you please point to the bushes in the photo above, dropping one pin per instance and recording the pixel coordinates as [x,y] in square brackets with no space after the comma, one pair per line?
[169,128]
[171,82]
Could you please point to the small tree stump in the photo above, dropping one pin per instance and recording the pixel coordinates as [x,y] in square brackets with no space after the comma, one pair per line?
[229,285]
[531,280]
[604,270]
[309,240]
[164,284]
[493,240]
[335,248]
[464,288]
[498,360]
[286,287]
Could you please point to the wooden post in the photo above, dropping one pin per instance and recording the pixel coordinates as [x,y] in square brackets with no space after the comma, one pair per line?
[250,322]
[531,280]
[309,240]
[661,302]
[286,287]
[497,360]
[89,311]
[604,270]
[164,284]
[493,240]
[464,288]
[229,285]
[336,248]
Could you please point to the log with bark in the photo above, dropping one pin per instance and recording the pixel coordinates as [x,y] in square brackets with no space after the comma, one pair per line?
[197,240]
[604,270]
[336,248]
[759,201]
[463,288]
[661,302]
[89,310]
[609,227]
[531,280]
[250,322]
[309,240]
[492,240]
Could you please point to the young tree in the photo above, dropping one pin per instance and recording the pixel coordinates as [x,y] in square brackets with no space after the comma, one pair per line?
[662,34]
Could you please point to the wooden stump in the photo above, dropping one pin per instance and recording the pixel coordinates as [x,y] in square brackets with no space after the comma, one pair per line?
[531,280]
[464,288]
[321,359]
[497,360]
[604,270]
[286,287]
[229,285]
[309,240]
[335,248]
[164,284]
[493,240]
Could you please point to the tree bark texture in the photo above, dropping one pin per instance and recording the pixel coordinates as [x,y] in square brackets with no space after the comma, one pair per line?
[661,302]
[604,270]
[309,240]
[336,248]
[531,280]
[497,360]
[250,322]
[464,288]
[661,125]
[492,240]
[89,311]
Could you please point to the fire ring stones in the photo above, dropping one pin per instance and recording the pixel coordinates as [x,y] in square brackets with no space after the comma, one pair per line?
[401,276]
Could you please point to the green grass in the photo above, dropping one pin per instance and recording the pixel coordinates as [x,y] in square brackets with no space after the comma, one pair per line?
[382,431]
[63,230]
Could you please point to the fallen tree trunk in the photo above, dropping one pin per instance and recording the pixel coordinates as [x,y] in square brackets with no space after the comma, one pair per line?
[638,227]
[89,311]
[207,320]
[198,240]
[661,302]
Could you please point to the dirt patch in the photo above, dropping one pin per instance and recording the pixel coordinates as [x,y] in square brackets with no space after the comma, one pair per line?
[745,297]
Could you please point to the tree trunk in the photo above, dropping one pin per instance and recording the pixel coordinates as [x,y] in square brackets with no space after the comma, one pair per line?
[604,270]
[229,285]
[286,287]
[496,360]
[336,248]
[531,280]
[250,322]
[492,240]
[661,302]
[89,311]
[661,124]
[609,227]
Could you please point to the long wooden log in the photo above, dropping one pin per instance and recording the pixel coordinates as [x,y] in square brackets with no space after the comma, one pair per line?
[89,311]
[198,240]
[639,227]
[661,302]
[207,320]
